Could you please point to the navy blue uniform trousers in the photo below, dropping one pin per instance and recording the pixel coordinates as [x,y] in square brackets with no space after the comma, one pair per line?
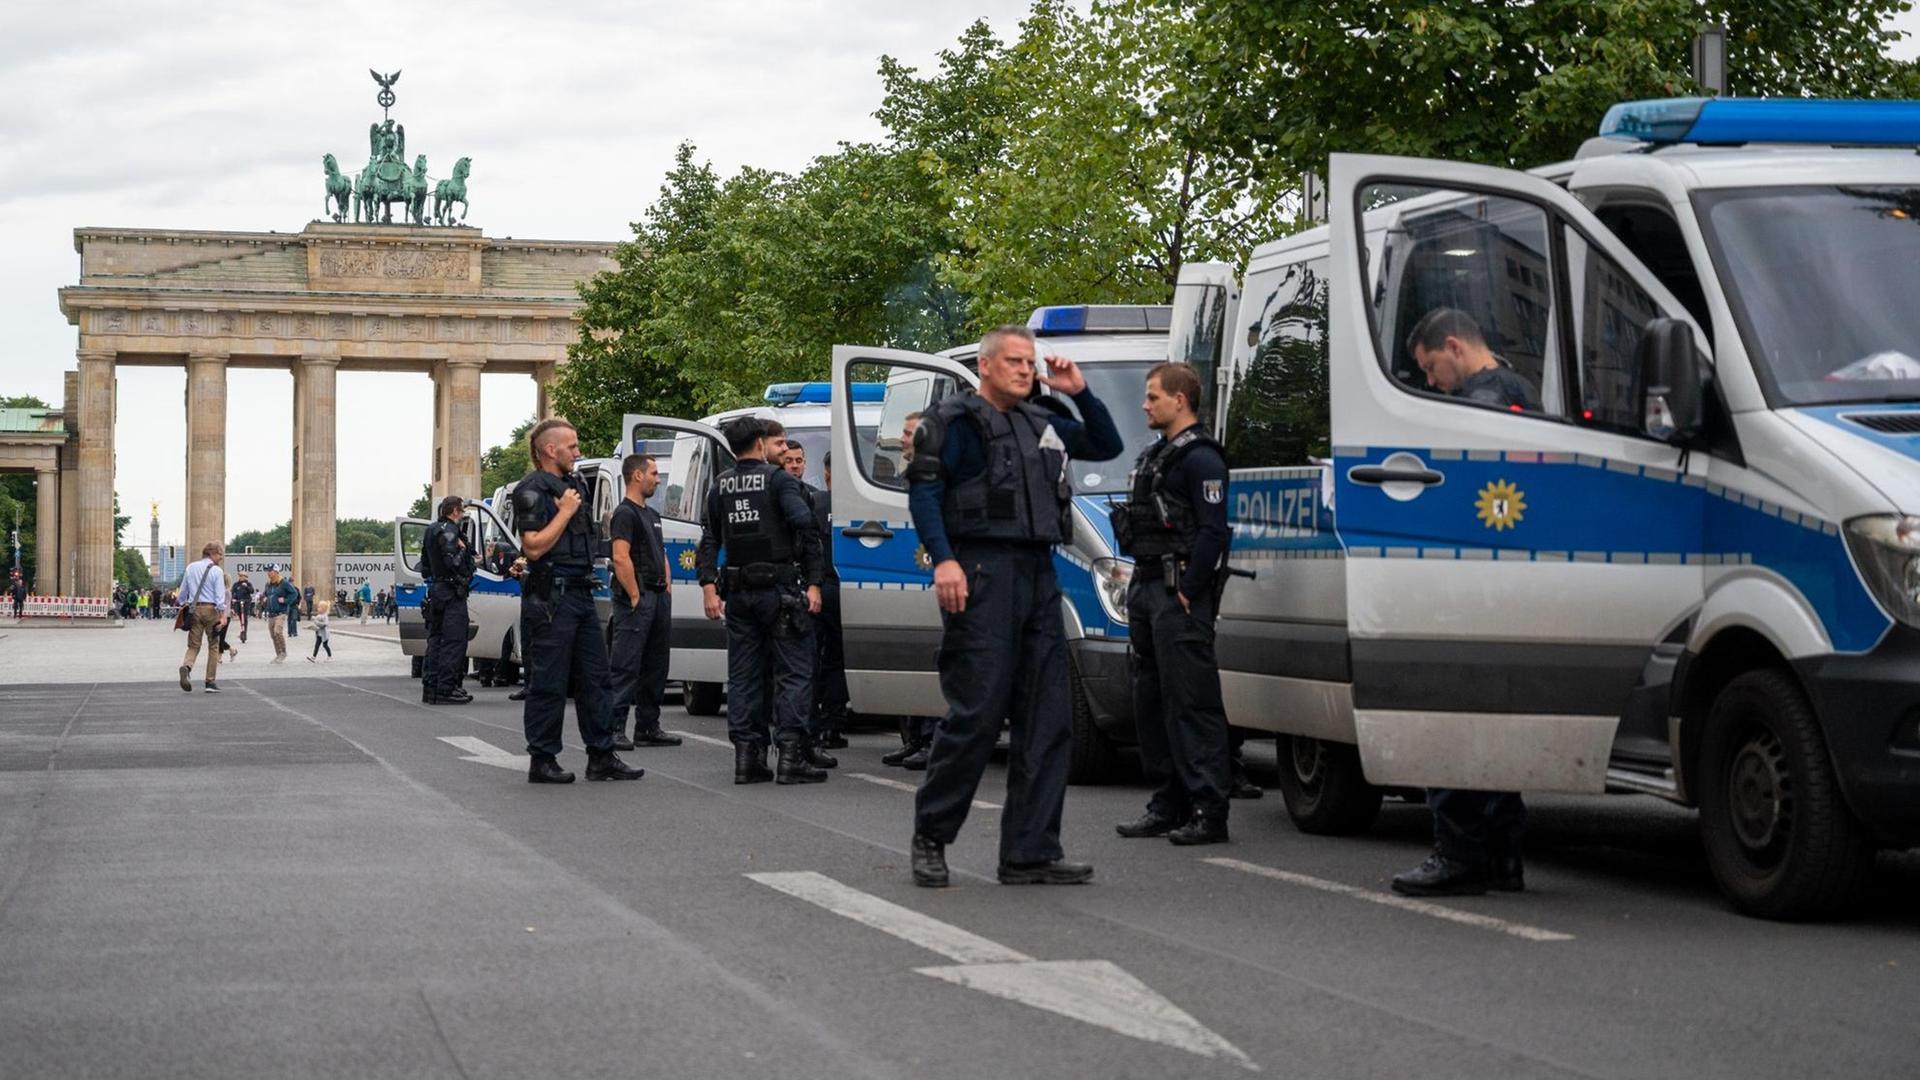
[565,647]
[769,675]
[446,663]
[641,649]
[1004,657]
[1176,703]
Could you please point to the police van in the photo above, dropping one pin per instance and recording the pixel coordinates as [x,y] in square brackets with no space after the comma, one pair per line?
[1690,568]
[698,454]
[493,602]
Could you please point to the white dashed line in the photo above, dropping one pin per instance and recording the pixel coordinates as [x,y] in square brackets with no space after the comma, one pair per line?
[1393,900]
[901,785]
[708,739]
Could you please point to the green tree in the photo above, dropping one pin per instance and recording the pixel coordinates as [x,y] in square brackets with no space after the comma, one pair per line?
[1107,180]
[508,462]
[1506,83]
[278,538]
[130,568]
[23,401]
[423,506]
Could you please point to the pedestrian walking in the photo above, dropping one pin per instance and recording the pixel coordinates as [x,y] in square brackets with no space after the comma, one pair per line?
[1174,527]
[366,602]
[322,639]
[204,607]
[990,495]
[640,648]
[757,515]
[278,604]
[565,648]
[449,561]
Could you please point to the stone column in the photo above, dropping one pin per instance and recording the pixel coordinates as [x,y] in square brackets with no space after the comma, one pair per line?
[95,544]
[315,488]
[542,401]
[70,486]
[46,531]
[206,451]
[460,438]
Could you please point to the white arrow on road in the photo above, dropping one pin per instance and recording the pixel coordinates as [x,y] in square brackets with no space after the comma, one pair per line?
[1092,991]
[485,753]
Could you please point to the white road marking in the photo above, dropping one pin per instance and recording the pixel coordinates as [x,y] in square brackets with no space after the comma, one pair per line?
[960,946]
[485,753]
[1394,900]
[1095,992]
[708,739]
[901,785]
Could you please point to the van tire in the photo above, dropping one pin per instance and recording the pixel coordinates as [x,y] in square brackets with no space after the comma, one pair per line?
[1325,790]
[1094,758]
[702,698]
[419,666]
[1780,839]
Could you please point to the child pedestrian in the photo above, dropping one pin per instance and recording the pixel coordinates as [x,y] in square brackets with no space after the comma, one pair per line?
[321,638]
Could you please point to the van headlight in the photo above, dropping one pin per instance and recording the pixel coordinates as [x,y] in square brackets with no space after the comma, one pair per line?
[1887,547]
[1110,580]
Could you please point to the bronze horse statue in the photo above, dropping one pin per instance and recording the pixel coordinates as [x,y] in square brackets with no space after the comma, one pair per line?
[452,190]
[384,183]
[339,191]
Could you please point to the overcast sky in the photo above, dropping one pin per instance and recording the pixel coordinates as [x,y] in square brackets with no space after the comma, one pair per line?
[214,116]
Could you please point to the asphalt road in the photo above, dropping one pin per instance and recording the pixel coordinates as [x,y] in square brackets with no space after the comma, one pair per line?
[304,877]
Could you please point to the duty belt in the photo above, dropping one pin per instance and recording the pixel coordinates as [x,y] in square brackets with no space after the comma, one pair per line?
[572,584]
[760,576]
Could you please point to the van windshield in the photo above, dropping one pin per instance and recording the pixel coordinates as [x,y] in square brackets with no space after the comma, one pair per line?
[1822,282]
[1119,386]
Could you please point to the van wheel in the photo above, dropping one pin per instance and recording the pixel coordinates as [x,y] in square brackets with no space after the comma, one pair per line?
[1780,840]
[419,666]
[1094,759]
[702,698]
[1326,792]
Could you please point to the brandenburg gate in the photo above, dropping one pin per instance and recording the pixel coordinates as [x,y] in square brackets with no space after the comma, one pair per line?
[439,300]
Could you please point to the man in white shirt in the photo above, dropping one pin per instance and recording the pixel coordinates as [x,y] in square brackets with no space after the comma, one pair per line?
[203,596]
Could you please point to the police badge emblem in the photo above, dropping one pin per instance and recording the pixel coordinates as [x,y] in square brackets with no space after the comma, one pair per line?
[1213,490]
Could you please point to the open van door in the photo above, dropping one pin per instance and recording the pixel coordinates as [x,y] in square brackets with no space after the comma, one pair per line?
[1519,550]
[493,597]
[409,587]
[1205,299]
[699,454]
[889,620]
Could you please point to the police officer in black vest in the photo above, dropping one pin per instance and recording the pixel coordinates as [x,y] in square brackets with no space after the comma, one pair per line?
[450,561]
[1174,526]
[991,495]
[767,590]
[564,643]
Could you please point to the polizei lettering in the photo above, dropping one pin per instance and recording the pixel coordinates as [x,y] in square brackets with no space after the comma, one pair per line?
[741,483]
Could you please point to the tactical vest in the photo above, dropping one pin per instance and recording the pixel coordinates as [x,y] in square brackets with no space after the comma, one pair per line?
[751,526]
[439,567]
[1024,493]
[572,552]
[1157,520]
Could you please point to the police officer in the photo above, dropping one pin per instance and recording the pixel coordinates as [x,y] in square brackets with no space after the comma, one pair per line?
[830,696]
[449,560]
[991,495]
[1174,525]
[642,609]
[1477,834]
[564,644]
[757,514]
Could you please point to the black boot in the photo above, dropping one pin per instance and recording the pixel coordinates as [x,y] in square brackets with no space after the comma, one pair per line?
[1147,824]
[545,770]
[518,695]
[656,737]
[833,740]
[750,764]
[1442,876]
[895,757]
[1057,872]
[605,765]
[1508,874]
[1200,830]
[929,863]
[794,768]
[820,759]
[621,742]
[916,761]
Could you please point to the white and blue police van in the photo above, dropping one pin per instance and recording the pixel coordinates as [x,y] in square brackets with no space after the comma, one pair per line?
[698,453]
[890,623]
[1692,571]
[493,602]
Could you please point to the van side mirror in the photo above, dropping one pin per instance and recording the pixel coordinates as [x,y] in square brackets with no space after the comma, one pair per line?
[1673,378]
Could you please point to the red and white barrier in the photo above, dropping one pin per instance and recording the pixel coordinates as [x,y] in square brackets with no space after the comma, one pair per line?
[65,607]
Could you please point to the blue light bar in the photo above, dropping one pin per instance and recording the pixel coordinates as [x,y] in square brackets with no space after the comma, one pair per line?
[1058,320]
[820,393]
[1825,122]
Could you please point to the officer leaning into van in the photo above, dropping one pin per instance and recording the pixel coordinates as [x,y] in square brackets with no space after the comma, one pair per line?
[1477,834]
[1174,525]
[565,647]
[767,591]
[991,495]
[450,564]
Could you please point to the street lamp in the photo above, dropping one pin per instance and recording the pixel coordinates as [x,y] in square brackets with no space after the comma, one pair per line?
[1710,59]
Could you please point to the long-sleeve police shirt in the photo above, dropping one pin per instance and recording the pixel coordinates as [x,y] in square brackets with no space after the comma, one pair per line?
[1201,479]
[786,494]
[963,456]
